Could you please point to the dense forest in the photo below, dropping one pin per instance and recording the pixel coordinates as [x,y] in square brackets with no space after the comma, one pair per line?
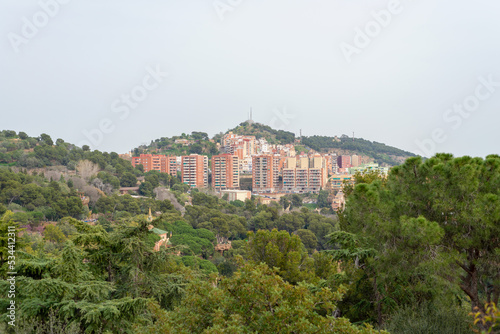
[414,252]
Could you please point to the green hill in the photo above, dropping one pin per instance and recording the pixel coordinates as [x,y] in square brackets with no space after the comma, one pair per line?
[264,131]
[380,152]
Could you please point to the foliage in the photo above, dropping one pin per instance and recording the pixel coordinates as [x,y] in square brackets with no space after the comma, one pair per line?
[264,131]
[197,263]
[253,300]
[489,321]
[279,250]
[21,189]
[54,234]
[197,241]
[429,318]
[198,143]
[36,152]
[379,151]
[308,239]
[323,199]
[433,227]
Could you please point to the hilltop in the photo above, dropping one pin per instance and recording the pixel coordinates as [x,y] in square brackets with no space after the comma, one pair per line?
[264,131]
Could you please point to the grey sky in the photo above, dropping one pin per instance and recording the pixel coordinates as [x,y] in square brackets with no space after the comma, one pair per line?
[283,58]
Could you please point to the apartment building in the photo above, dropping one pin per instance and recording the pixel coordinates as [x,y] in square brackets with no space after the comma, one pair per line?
[338,201]
[369,167]
[344,161]
[265,173]
[355,160]
[331,163]
[242,146]
[194,170]
[304,174]
[225,172]
[337,182]
[161,163]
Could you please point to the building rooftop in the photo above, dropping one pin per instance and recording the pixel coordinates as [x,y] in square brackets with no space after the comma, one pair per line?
[158,231]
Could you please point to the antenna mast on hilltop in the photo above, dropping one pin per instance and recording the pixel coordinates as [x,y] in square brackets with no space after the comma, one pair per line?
[353,136]
[250,120]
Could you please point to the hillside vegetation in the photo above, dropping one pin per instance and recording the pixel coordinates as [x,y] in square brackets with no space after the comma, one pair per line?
[380,152]
[196,143]
[264,131]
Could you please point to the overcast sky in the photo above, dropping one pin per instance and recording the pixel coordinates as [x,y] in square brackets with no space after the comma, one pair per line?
[423,76]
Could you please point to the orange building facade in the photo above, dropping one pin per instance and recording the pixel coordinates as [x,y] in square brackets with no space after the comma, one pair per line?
[304,174]
[225,172]
[265,173]
[161,163]
[194,170]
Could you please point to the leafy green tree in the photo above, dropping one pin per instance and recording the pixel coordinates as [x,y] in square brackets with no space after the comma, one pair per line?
[146,189]
[128,180]
[365,177]
[285,202]
[308,239]
[180,187]
[280,250]
[194,245]
[323,199]
[54,234]
[195,149]
[263,221]
[9,133]
[109,178]
[197,263]
[237,203]
[291,222]
[296,201]
[46,139]
[199,135]
[204,200]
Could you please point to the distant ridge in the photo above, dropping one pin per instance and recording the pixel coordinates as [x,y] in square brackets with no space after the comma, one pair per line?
[200,143]
[30,152]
